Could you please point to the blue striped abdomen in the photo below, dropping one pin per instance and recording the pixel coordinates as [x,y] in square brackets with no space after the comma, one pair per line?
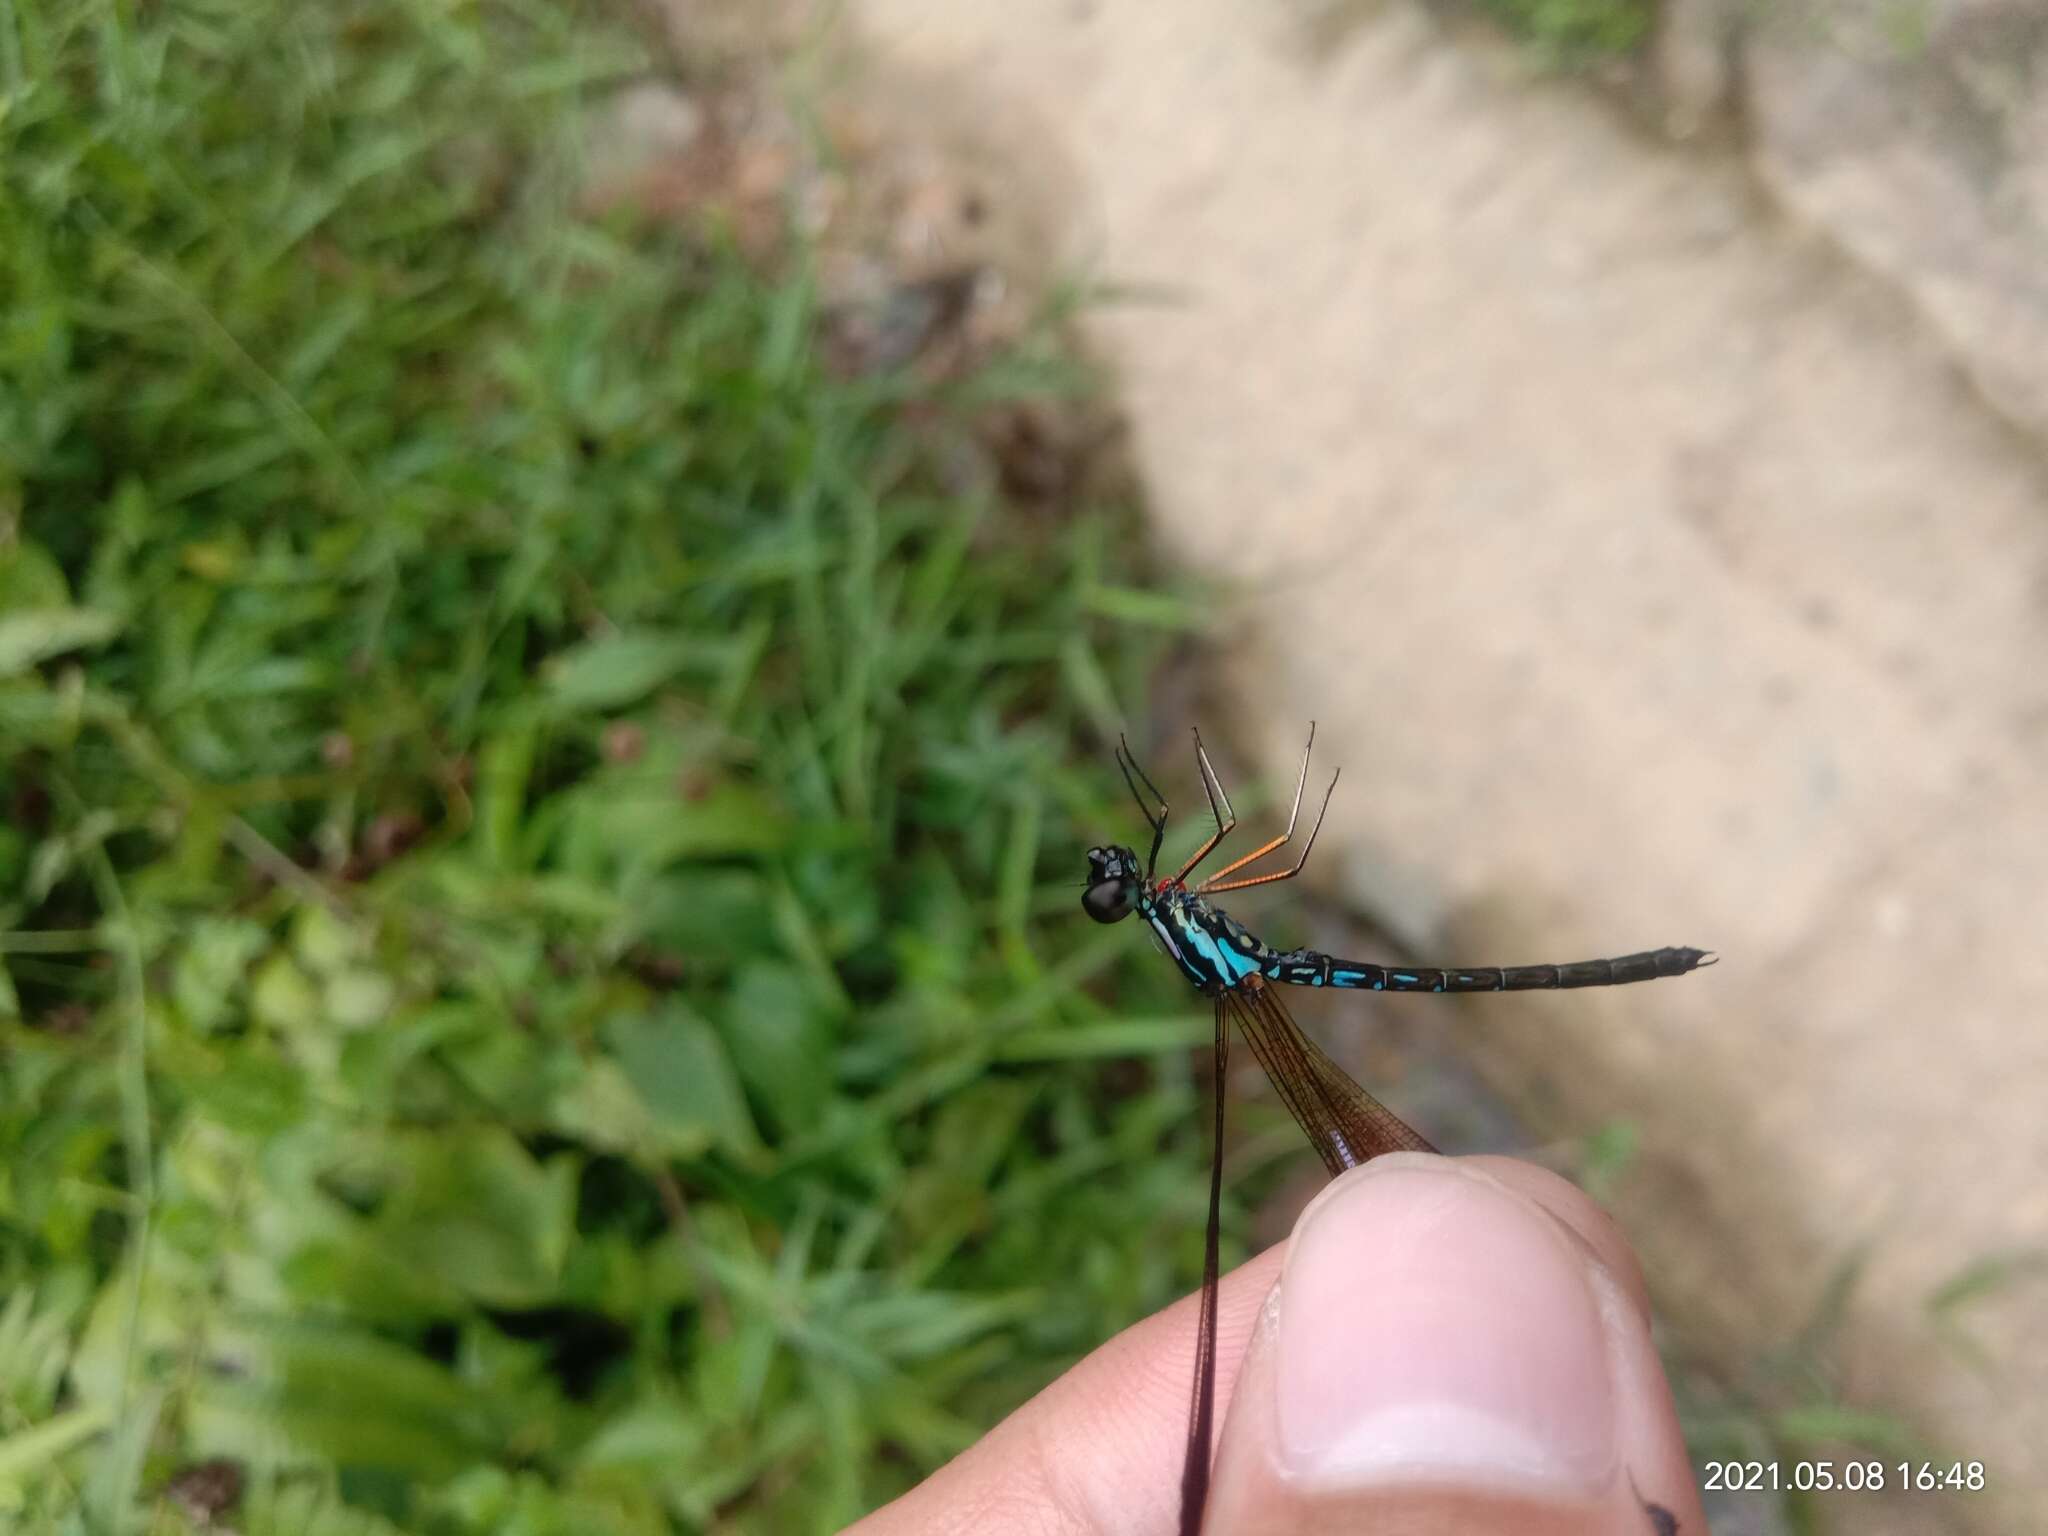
[1216,952]
[1312,968]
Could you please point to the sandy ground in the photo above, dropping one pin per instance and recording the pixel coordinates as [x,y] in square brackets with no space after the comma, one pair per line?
[1654,577]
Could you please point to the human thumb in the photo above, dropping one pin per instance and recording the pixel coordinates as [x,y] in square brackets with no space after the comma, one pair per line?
[1455,1347]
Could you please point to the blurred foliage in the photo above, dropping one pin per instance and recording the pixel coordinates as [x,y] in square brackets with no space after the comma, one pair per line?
[1573,34]
[540,988]
[1563,35]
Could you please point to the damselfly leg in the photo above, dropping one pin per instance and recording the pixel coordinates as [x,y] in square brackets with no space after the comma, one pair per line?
[1221,881]
[1226,818]
[1128,762]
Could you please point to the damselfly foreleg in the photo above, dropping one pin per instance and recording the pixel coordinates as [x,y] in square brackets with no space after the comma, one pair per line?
[1221,881]
[1226,818]
[1128,762]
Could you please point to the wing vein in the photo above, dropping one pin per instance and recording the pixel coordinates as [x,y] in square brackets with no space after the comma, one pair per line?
[1344,1123]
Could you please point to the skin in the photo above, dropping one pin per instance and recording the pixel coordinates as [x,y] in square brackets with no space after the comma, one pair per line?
[1443,1347]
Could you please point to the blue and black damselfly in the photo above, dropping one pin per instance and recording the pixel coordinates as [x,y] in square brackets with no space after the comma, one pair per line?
[1345,1124]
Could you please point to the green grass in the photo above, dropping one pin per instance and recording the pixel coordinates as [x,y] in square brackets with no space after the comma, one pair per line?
[1573,34]
[1788,1406]
[541,989]
[1561,35]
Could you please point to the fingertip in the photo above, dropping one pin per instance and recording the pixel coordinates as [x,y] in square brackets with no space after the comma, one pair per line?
[1456,1345]
[1582,1216]
[1099,1450]
[1469,1309]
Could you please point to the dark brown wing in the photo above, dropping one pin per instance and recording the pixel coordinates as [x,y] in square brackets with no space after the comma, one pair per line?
[1345,1124]
[1194,1467]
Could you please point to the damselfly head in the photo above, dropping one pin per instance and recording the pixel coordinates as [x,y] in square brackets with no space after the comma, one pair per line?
[1113,882]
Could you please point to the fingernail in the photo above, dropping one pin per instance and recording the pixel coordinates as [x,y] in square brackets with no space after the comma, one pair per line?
[1435,1326]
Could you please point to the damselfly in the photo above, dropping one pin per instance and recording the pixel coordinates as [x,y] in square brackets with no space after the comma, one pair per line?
[1224,961]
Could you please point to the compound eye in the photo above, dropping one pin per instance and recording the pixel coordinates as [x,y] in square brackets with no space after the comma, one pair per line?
[1108,901]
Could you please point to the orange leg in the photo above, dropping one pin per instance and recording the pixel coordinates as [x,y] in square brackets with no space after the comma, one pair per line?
[1226,818]
[1221,881]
